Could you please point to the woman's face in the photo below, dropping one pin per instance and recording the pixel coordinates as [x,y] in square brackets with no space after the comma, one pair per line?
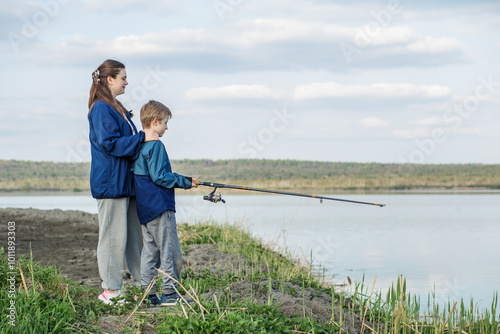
[117,86]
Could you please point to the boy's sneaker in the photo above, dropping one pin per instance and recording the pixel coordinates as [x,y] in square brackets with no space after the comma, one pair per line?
[172,299]
[111,297]
[153,299]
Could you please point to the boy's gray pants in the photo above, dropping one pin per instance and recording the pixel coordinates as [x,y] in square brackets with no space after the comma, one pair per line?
[120,241]
[161,249]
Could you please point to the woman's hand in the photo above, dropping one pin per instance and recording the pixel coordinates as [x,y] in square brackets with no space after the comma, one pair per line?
[150,135]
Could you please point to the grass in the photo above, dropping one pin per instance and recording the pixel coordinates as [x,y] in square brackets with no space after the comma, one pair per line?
[239,318]
[45,302]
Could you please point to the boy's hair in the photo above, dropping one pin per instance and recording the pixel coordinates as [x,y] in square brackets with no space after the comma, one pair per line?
[151,110]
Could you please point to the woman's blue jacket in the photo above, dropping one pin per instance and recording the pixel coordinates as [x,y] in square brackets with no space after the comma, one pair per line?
[112,144]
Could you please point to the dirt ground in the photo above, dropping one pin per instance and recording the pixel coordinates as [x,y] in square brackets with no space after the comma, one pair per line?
[64,239]
[68,241]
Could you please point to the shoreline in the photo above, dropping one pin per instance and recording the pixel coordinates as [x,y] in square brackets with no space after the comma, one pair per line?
[67,241]
[221,261]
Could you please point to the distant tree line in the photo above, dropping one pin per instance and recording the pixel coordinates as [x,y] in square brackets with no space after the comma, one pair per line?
[278,174]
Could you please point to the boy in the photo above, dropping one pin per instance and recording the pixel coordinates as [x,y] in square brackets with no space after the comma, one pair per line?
[154,188]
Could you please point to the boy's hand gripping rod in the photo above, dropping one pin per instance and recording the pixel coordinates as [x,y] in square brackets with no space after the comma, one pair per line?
[214,198]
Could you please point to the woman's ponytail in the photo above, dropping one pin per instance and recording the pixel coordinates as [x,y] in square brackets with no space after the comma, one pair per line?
[100,90]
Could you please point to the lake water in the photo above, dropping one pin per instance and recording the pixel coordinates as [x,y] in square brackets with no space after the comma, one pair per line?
[447,243]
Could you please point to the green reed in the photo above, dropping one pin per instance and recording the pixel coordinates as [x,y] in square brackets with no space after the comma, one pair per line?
[400,312]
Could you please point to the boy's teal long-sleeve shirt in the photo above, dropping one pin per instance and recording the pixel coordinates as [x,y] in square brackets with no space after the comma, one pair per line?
[155,182]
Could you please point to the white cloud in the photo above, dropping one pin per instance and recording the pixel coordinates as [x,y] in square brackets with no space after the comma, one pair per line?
[464,131]
[127,5]
[240,36]
[374,122]
[435,45]
[430,121]
[250,33]
[22,9]
[198,112]
[429,132]
[233,92]
[96,4]
[150,44]
[263,43]
[253,32]
[412,134]
[377,90]
[386,36]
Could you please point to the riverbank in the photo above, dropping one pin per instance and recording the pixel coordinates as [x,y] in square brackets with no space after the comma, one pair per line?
[242,284]
[67,240]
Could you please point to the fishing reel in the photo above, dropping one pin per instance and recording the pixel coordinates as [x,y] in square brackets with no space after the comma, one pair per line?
[214,198]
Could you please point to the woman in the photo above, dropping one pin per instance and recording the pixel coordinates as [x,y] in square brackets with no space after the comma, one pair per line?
[114,139]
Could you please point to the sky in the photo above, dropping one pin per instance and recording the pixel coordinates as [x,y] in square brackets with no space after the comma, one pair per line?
[398,81]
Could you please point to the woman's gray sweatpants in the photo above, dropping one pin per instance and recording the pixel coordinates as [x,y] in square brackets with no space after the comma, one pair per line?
[120,241]
[161,249]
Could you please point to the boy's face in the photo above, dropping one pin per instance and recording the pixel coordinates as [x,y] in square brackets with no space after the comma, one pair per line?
[159,126]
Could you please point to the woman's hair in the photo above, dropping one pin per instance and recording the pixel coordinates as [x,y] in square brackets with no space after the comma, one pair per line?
[100,90]
[151,110]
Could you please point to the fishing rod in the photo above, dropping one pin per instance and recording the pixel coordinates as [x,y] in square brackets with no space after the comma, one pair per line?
[215,198]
